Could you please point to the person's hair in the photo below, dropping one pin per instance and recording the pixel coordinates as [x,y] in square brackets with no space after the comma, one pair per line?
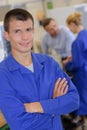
[46,21]
[18,14]
[74,18]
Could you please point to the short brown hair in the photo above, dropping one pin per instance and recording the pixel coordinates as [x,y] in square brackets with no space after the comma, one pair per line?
[46,21]
[18,14]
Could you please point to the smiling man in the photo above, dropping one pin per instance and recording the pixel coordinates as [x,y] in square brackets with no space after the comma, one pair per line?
[34,91]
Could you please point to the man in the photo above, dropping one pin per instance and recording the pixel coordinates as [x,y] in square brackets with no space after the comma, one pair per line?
[57,38]
[34,91]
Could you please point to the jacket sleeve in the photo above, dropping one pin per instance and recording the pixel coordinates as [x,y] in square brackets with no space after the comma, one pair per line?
[77,60]
[62,104]
[13,108]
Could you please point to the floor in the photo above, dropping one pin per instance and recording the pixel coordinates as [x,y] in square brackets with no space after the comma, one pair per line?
[84,127]
[68,126]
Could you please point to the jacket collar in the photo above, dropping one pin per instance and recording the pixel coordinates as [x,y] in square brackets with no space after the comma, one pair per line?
[37,63]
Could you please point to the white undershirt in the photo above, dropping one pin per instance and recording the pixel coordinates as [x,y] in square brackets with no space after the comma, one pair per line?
[30,67]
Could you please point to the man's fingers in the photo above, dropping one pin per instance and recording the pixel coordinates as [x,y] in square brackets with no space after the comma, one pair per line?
[56,88]
[65,89]
[62,86]
[62,82]
[57,84]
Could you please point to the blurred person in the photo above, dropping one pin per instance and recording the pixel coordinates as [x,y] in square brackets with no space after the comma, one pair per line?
[57,38]
[78,64]
[1,54]
[34,91]
[5,43]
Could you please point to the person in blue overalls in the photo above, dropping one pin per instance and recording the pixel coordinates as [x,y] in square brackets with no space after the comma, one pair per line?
[78,64]
[34,91]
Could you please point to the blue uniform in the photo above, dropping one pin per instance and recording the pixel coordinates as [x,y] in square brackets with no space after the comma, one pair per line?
[78,67]
[18,85]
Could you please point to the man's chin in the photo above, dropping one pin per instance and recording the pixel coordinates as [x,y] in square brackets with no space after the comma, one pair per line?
[54,35]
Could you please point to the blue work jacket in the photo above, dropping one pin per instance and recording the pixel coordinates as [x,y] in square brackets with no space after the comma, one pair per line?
[18,85]
[78,67]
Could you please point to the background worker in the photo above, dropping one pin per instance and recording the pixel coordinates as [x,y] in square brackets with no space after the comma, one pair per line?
[57,38]
[78,64]
[33,88]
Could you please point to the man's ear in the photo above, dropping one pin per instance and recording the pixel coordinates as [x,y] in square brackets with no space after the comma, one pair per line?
[6,35]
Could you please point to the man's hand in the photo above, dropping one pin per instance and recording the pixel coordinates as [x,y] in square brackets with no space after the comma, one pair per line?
[61,88]
[69,58]
[33,107]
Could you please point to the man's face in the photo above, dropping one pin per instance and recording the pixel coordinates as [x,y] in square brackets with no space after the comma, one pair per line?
[20,35]
[52,28]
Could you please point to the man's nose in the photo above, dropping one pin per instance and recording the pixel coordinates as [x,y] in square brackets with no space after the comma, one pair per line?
[24,36]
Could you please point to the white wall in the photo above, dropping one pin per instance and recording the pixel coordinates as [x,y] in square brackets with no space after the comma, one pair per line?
[62,3]
[60,14]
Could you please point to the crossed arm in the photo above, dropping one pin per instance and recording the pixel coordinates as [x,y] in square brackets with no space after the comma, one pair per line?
[61,88]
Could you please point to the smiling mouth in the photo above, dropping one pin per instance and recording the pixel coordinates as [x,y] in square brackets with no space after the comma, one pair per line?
[24,44]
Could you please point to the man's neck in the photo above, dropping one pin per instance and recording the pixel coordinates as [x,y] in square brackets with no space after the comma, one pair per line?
[24,59]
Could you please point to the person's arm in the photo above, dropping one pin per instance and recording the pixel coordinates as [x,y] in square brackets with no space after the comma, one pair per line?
[77,61]
[12,107]
[62,104]
[60,89]
[68,59]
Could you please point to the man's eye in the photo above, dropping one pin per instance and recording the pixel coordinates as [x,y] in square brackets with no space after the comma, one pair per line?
[17,31]
[29,29]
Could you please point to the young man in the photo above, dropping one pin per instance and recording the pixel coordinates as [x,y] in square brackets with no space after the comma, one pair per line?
[34,91]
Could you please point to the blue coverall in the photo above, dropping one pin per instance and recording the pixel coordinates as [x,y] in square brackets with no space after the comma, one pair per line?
[78,67]
[18,85]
